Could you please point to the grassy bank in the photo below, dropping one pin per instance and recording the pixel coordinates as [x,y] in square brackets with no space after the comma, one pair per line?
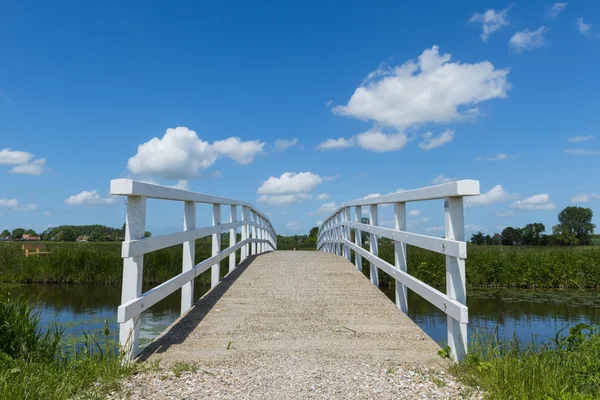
[565,368]
[101,263]
[35,363]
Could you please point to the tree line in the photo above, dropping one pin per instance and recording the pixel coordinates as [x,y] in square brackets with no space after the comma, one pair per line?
[70,233]
[574,228]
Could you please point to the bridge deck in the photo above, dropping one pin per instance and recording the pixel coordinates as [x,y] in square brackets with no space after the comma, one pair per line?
[289,313]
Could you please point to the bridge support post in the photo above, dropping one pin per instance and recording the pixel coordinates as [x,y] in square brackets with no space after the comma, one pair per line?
[232,236]
[373,246]
[400,256]
[455,276]
[133,269]
[215,272]
[189,255]
[357,237]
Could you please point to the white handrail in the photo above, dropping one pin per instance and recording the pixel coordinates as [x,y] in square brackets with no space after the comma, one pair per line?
[257,233]
[334,237]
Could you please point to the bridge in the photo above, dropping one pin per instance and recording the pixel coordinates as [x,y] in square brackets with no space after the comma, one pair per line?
[293,307]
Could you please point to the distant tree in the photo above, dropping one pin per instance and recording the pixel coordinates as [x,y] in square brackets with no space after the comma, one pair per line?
[314,232]
[488,240]
[478,238]
[575,226]
[18,233]
[364,236]
[5,233]
[531,234]
[511,236]
[30,232]
[148,234]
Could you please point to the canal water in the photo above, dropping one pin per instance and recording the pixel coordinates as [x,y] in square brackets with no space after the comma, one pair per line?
[530,314]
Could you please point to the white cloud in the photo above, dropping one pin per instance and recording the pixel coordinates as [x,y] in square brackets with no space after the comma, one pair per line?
[290,182]
[494,195]
[330,178]
[414,213]
[283,199]
[495,157]
[381,142]
[283,144]
[336,144]
[578,139]
[182,184]
[438,180]
[584,197]
[506,214]
[92,198]
[430,90]
[14,157]
[323,196]
[491,21]
[582,152]
[582,27]
[472,228]
[48,213]
[326,208]
[437,228]
[431,142]
[527,40]
[319,223]
[35,167]
[556,9]
[15,205]
[242,152]
[535,202]
[180,154]
[293,225]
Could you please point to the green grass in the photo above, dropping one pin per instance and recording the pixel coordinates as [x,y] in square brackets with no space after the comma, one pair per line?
[565,368]
[36,364]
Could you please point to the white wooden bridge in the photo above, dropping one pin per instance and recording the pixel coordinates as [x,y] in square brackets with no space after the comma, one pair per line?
[282,303]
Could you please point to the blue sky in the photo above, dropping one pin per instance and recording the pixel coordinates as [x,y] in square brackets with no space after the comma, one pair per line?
[297,105]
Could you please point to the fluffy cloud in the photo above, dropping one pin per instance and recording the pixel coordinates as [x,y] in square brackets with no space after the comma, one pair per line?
[336,144]
[506,214]
[535,202]
[92,198]
[527,40]
[494,195]
[414,213]
[381,142]
[180,154]
[495,157]
[36,167]
[293,225]
[283,199]
[290,182]
[556,9]
[15,205]
[242,152]
[14,157]
[438,180]
[326,208]
[579,139]
[491,21]
[283,144]
[584,197]
[582,27]
[323,196]
[582,152]
[182,184]
[431,142]
[430,90]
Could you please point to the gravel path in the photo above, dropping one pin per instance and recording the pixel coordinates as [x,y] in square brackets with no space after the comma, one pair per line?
[290,325]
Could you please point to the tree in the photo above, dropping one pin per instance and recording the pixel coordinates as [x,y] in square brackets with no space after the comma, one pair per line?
[478,238]
[575,223]
[30,232]
[531,234]
[314,232]
[18,233]
[5,233]
[511,236]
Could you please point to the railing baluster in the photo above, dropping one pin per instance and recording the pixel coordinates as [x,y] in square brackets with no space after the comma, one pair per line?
[189,255]
[455,275]
[253,219]
[400,256]
[133,269]
[373,246]
[215,274]
[232,237]
[245,248]
[357,237]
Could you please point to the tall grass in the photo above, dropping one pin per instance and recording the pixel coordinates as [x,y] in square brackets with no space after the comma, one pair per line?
[36,364]
[567,367]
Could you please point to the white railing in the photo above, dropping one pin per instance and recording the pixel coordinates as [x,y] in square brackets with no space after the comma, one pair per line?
[334,237]
[257,236]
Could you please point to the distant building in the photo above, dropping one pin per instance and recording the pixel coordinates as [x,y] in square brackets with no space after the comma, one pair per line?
[497,239]
[30,238]
[82,239]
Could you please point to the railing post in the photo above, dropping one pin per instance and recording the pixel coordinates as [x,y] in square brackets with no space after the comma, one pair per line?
[261,234]
[338,231]
[215,274]
[253,219]
[245,218]
[455,276]
[400,256]
[189,255]
[357,237]
[133,269]
[346,229]
[373,245]
[232,236]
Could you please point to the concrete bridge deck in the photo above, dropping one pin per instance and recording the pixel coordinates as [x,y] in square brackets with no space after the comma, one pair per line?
[292,324]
